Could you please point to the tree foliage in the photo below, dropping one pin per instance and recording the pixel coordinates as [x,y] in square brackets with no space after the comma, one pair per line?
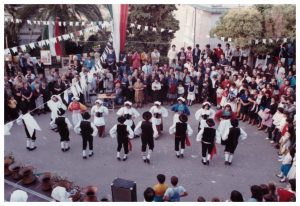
[158,16]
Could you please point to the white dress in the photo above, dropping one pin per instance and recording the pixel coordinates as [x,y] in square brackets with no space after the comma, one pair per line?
[223,126]
[99,121]
[211,114]
[131,111]
[155,110]
[191,94]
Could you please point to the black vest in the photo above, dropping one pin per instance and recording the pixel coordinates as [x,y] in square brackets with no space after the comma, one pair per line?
[122,131]
[209,135]
[181,129]
[234,134]
[61,123]
[147,130]
[86,128]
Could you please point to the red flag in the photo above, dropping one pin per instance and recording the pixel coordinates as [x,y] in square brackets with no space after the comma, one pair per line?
[57,44]
[187,141]
[123,25]
[213,152]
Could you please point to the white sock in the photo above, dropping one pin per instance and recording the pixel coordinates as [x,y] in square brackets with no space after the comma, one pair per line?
[125,155]
[144,155]
[204,159]
[208,157]
[83,153]
[66,144]
[118,154]
[28,143]
[177,153]
[90,152]
[149,154]
[182,151]
[226,156]
[62,145]
[32,144]
[230,158]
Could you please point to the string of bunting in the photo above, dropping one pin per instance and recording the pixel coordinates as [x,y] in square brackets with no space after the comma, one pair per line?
[149,28]
[46,42]
[259,40]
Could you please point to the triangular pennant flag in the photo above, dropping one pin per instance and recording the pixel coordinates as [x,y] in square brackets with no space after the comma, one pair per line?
[71,23]
[12,20]
[38,22]
[154,29]
[82,24]
[284,40]
[30,123]
[6,19]
[59,38]
[229,39]
[139,26]
[264,41]
[43,43]
[40,44]
[20,20]
[146,28]
[14,49]
[29,22]
[80,32]
[34,22]
[59,23]
[170,30]
[32,46]
[162,30]
[131,25]
[64,23]
[47,41]
[76,23]
[23,47]
[256,41]
[66,36]
[47,22]
[271,40]
[17,21]
[222,38]
[7,128]
[44,23]
[71,35]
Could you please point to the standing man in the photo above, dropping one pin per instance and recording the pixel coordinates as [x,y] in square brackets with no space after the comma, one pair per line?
[155,55]
[63,125]
[196,56]
[99,111]
[228,52]
[88,130]
[147,130]
[172,55]
[181,130]
[207,136]
[123,132]
[231,137]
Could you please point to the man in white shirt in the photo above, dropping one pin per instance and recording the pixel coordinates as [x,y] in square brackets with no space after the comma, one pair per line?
[172,54]
[147,69]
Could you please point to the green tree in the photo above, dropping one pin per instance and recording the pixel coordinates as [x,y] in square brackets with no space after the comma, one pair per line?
[158,16]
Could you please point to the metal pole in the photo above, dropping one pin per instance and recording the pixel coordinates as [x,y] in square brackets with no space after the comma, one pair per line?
[195,28]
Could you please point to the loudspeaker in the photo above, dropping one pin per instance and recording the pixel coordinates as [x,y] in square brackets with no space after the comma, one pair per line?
[123,190]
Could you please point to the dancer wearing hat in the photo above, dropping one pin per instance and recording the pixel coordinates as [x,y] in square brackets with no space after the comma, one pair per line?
[147,130]
[158,112]
[77,109]
[181,130]
[99,111]
[54,104]
[207,135]
[63,125]
[224,116]
[231,137]
[203,114]
[179,108]
[88,130]
[122,132]
[129,113]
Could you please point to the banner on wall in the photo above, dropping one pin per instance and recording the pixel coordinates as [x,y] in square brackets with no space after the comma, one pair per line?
[46,57]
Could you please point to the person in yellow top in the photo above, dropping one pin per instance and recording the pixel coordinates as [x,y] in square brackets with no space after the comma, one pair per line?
[160,188]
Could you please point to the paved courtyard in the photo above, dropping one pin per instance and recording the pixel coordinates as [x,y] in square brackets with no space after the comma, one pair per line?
[255,161]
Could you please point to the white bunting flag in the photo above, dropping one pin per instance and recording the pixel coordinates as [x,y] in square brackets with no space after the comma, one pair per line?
[256,41]
[32,46]
[14,49]
[284,40]
[34,22]
[59,38]
[23,47]
[80,32]
[271,40]
[222,38]
[154,29]
[162,30]
[43,42]
[71,23]
[264,41]
[76,23]
[30,123]
[6,19]
[66,36]
[47,41]
[12,20]
[170,30]
[7,128]
[29,22]
[71,35]
[131,25]
[146,28]
[38,22]
[17,21]
[47,22]
[59,23]
[65,23]
[229,39]
[82,24]
[40,44]
[44,23]
[139,26]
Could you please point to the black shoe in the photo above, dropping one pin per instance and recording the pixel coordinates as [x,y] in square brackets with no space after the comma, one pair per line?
[118,158]
[181,156]
[204,163]
[91,154]
[28,148]
[125,158]
[207,163]
[145,160]
[177,156]
[229,163]
[31,149]
[148,161]
[84,157]
[67,149]
[62,149]
[226,162]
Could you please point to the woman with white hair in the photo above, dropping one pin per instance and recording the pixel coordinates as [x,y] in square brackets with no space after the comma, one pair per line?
[99,111]
[18,196]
